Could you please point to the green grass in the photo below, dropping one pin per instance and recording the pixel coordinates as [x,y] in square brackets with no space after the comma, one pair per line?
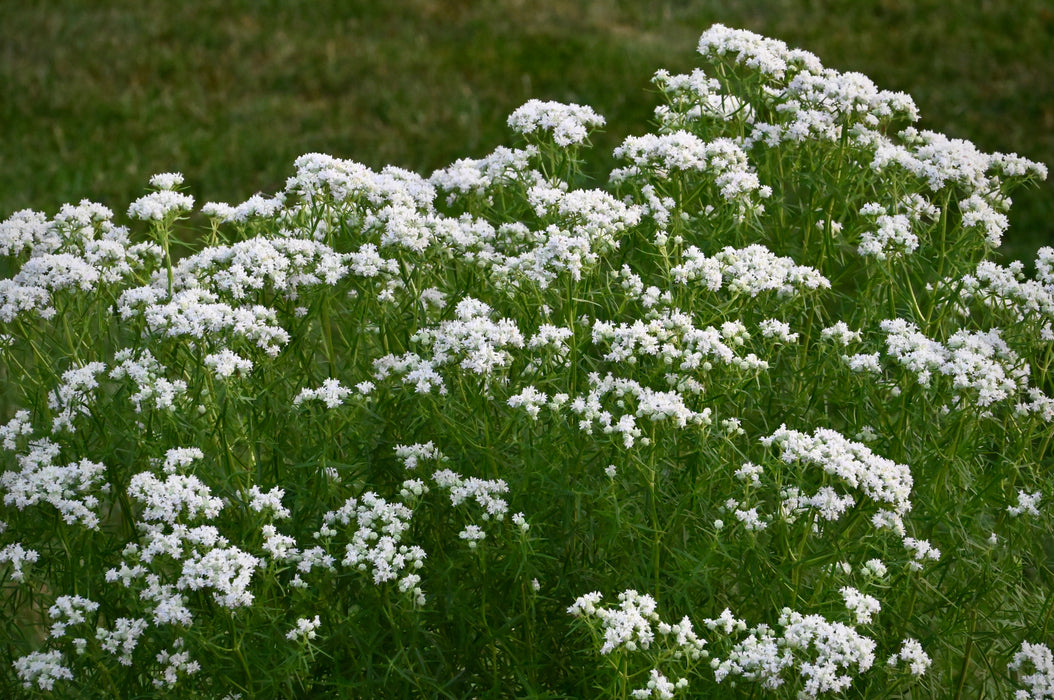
[95,96]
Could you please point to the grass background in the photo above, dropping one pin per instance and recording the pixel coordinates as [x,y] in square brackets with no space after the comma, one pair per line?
[97,95]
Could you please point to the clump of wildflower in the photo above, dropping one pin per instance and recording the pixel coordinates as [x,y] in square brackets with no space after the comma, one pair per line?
[18,556]
[411,455]
[68,488]
[566,124]
[160,205]
[123,639]
[69,610]
[376,544]
[1041,681]
[148,376]
[911,651]
[860,604]
[176,662]
[227,363]
[42,669]
[1027,504]
[823,652]
[331,393]
[305,630]
[630,626]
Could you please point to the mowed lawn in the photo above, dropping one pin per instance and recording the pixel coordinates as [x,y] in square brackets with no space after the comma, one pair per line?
[97,95]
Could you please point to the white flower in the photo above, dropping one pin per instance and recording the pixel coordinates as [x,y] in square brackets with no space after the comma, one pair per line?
[157,206]
[176,496]
[166,181]
[272,501]
[305,630]
[1026,504]
[1041,660]
[181,457]
[226,363]
[175,663]
[911,651]
[122,639]
[411,455]
[530,399]
[17,556]
[42,668]
[331,393]
[569,124]
[861,605]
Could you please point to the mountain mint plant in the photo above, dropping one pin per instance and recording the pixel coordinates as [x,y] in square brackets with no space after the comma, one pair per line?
[760,415]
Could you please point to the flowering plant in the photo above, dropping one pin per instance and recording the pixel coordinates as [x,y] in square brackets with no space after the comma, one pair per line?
[388,435]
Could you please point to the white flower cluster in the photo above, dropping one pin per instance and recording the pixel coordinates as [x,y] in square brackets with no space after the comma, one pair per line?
[17,556]
[148,375]
[659,686]
[478,176]
[69,610]
[176,662]
[722,161]
[695,97]
[752,270]
[419,372]
[920,550]
[1005,289]
[256,207]
[411,455]
[912,652]
[780,330]
[177,496]
[160,205]
[881,479]
[841,334]
[978,361]
[634,623]
[1027,503]
[827,503]
[227,363]
[480,343]
[809,102]
[863,606]
[350,187]
[283,265]
[1041,681]
[377,543]
[940,161]
[650,404]
[986,214]
[671,338]
[305,630]
[824,653]
[487,495]
[198,314]
[77,251]
[227,570]
[12,432]
[122,639]
[69,489]
[331,393]
[42,668]
[261,501]
[769,57]
[566,124]
[73,397]
[179,458]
